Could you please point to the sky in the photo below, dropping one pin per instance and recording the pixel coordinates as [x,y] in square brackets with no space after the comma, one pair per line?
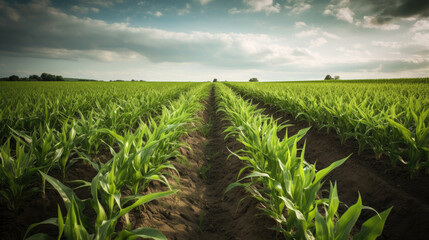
[199,40]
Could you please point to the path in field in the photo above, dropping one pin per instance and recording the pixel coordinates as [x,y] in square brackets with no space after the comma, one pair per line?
[380,185]
[200,211]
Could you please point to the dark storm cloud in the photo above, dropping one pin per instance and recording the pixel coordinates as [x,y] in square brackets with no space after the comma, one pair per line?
[386,10]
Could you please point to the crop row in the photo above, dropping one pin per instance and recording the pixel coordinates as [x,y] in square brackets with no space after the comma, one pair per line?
[392,119]
[287,185]
[141,154]
[30,105]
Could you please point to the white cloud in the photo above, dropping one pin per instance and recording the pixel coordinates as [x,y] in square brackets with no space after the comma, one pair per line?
[204,2]
[308,33]
[357,46]
[371,22]
[421,39]
[266,6]
[156,14]
[300,24]
[388,44]
[316,32]
[93,54]
[84,10]
[340,10]
[421,25]
[330,35]
[185,10]
[297,6]
[234,11]
[318,42]
[345,14]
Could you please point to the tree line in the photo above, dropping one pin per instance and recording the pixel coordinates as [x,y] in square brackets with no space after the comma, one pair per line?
[34,77]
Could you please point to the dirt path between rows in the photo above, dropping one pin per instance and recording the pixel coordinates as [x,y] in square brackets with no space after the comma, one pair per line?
[199,210]
[379,184]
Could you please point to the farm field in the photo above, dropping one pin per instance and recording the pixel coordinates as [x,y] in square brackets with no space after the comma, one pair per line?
[298,160]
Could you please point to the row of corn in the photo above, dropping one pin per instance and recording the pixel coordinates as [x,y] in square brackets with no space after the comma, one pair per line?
[277,175]
[141,153]
[389,117]
[70,131]
[29,105]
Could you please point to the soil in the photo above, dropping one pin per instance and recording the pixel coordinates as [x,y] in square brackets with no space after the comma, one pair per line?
[379,184]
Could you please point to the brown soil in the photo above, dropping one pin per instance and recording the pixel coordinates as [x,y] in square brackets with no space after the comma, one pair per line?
[380,185]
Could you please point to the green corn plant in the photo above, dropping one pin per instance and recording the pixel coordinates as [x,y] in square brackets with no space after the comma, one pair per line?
[68,142]
[331,226]
[86,128]
[44,149]
[76,224]
[17,171]
[418,139]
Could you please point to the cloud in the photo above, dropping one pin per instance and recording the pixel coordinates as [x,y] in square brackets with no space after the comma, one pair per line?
[185,10]
[398,8]
[156,14]
[316,32]
[297,6]
[388,44]
[102,3]
[74,55]
[374,23]
[421,39]
[266,6]
[345,14]
[9,12]
[84,10]
[421,25]
[300,24]
[53,34]
[204,2]
[318,42]
[308,33]
[340,10]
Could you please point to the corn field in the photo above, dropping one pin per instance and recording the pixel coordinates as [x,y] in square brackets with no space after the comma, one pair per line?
[101,153]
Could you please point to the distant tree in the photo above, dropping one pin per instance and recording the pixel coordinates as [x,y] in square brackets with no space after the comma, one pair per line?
[14,78]
[50,77]
[44,76]
[337,77]
[215,80]
[34,78]
[253,80]
[328,77]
